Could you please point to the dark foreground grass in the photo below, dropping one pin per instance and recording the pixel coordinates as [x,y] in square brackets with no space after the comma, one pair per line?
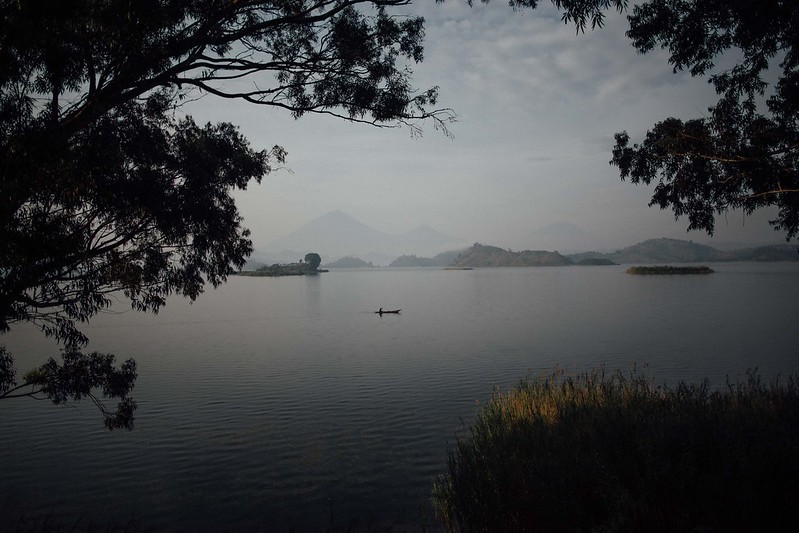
[599,452]
[51,523]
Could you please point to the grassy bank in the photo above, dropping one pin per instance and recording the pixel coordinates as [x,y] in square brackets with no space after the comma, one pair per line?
[599,452]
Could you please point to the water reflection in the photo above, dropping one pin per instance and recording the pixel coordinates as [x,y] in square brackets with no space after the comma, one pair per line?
[270,402]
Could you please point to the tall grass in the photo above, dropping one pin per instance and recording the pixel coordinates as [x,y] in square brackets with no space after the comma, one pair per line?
[600,452]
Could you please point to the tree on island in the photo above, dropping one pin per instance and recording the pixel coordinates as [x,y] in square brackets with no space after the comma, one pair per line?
[313,261]
[301,268]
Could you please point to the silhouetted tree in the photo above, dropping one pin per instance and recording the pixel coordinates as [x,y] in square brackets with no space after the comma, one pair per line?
[744,153]
[313,260]
[578,12]
[106,189]
[77,376]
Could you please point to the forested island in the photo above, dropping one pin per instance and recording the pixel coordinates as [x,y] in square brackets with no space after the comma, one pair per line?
[669,270]
[307,267]
[652,251]
[661,251]
[681,251]
[481,255]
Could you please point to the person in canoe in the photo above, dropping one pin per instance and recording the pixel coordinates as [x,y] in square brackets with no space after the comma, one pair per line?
[381,312]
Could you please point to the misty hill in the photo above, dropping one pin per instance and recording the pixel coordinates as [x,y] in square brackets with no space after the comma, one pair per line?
[349,262]
[564,237]
[441,260]
[422,239]
[668,250]
[337,234]
[490,256]
[679,251]
[774,252]
[595,261]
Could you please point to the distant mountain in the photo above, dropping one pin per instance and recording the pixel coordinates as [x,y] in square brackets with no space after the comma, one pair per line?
[490,256]
[337,234]
[348,262]
[663,251]
[774,252]
[564,237]
[333,233]
[669,250]
[423,238]
[595,261]
[441,260]
[679,251]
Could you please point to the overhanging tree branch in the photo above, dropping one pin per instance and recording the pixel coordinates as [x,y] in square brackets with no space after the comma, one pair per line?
[745,153]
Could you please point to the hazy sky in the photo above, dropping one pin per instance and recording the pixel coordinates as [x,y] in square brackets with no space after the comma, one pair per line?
[537,108]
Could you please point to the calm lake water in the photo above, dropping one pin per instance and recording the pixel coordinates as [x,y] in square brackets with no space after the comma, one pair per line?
[278,403]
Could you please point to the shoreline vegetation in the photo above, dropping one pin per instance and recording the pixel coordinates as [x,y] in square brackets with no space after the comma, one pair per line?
[669,270]
[277,270]
[308,267]
[614,452]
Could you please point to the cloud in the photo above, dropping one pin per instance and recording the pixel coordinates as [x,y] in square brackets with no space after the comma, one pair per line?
[538,106]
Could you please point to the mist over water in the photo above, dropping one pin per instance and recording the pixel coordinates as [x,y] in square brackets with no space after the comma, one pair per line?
[287,402]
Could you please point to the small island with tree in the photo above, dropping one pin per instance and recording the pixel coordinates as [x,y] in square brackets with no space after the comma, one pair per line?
[668,270]
[307,267]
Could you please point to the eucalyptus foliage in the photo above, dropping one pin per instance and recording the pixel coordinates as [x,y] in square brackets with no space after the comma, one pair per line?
[107,187]
[743,154]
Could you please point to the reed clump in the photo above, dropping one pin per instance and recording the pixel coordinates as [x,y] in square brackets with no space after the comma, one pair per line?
[614,452]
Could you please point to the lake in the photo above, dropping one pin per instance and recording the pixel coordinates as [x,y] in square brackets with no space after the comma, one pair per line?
[273,404]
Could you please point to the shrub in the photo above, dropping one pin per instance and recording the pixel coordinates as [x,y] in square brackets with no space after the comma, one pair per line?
[598,452]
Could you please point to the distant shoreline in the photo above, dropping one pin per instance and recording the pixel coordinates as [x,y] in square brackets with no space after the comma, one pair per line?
[653,251]
[277,273]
